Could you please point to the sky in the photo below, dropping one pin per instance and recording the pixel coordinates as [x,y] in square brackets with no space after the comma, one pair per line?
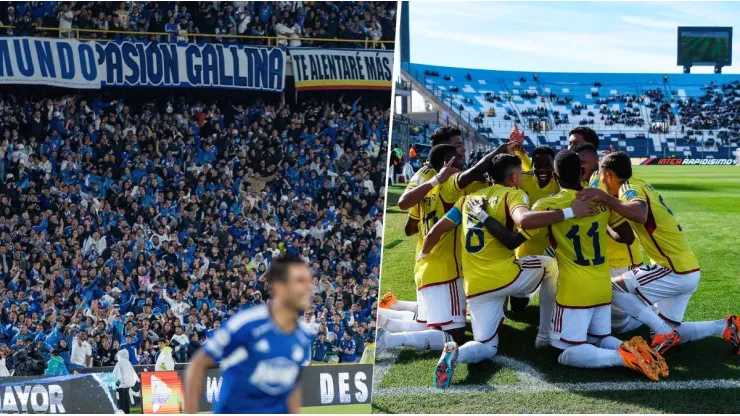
[562,36]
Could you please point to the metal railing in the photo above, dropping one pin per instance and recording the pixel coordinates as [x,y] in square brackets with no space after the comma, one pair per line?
[83,35]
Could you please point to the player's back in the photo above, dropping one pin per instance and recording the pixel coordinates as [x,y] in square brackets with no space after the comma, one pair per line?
[441,264]
[661,236]
[488,264]
[580,249]
[260,364]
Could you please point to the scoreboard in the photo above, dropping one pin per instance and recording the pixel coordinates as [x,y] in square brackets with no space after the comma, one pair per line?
[704,46]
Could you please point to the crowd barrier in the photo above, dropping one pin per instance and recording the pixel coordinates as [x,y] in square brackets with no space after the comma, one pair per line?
[338,388]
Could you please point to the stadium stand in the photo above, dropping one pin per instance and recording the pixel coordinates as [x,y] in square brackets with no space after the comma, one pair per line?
[133,221]
[130,218]
[290,23]
[647,115]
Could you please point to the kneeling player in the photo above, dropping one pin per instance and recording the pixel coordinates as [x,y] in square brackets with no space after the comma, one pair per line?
[657,295]
[441,301]
[492,271]
[582,319]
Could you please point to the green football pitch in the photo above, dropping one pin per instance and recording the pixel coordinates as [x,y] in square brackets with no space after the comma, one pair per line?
[701,48]
[704,377]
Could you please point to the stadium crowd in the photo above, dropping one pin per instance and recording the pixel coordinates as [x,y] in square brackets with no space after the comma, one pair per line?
[293,22]
[718,108]
[141,225]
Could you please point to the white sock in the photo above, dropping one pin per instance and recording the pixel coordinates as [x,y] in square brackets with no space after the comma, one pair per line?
[609,343]
[636,308]
[588,356]
[475,352]
[548,289]
[405,305]
[619,319]
[393,314]
[431,338]
[402,325]
[692,331]
[622,323]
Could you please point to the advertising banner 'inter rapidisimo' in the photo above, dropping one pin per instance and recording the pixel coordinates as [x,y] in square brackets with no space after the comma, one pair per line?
[333,69]
[91,65]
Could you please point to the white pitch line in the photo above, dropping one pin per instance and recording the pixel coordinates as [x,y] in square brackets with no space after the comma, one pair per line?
[532,381]
[383,363]
[575,387]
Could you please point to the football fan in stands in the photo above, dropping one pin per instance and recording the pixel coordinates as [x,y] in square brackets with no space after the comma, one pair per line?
[131,221]
[365,22]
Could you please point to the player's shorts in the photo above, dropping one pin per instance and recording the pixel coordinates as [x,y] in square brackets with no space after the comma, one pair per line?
[575,326]
[442,305]
[670,292]
[549,252]
[487,309]
[618,271]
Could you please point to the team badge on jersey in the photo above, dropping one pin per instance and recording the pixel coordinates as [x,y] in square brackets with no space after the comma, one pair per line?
[297,354]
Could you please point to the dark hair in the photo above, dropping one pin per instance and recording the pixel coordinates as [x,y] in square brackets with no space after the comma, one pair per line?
[439,155]
[443,135]
[568,167]
[585,147]
[589,135]
[278,271]
[619,163]
[501,165]
[543,150]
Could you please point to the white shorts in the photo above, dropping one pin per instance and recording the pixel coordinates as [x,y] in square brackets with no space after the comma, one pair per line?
[670,292]
[618,271]
[575,326]
[487,309]
[442,305]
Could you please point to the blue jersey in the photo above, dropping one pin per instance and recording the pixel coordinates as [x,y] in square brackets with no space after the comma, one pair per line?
[260,364]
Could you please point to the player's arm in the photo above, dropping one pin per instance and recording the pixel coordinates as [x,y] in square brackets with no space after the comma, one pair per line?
[294,401]
[439,229]
[412,196]
[478,172]
[452,219]
[222,344]
[529,220]
[412,221]
[524,157]
[411,227]
[510,239]
[634,208]
[194,378]
[622,233]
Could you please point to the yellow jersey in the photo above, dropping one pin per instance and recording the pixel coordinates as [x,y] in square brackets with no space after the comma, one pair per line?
[441,265]
[524,157]
[420,177]
[584,280]
[487,264]
[661,236]
[539,242]
[620,254]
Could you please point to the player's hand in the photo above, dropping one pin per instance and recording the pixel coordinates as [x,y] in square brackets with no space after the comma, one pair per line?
[592,195]
[583,208]
[448,170]
[477,207]
[606,152]
[422,255]
[516,136]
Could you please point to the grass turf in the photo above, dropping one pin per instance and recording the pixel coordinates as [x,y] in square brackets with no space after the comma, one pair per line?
[706,201]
